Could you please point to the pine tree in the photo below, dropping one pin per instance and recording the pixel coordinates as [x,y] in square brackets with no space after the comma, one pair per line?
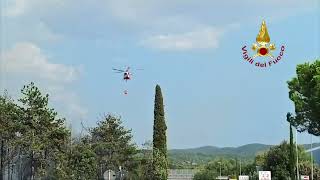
[292,153]
[43,133]
[9,116]
[160,163]
[113,145]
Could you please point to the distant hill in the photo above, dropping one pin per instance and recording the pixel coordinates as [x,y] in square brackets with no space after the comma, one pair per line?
[308,146]
[245,151]
[207,153]
[316,156]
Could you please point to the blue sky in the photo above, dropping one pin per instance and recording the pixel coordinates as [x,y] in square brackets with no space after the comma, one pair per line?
[191,48]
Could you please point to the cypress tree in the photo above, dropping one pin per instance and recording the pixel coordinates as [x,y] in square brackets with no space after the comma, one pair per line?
[292,158]
[160,163]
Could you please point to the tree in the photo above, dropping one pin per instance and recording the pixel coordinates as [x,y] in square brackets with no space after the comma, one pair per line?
[304,91]
[212,170]
[292,157]
[9,127]
[112,143]
[80,163]
[250,169]
[160,162]
[305,169]
[144,158]
[43,134]
[277,160]
[36,141]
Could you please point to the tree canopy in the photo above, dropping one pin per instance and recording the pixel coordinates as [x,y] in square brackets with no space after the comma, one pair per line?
[304,91]
[35,143]
[113,145]
[160,162]
[277,160]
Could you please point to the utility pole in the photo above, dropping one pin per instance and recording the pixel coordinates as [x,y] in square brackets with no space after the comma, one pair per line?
[220,168]
[297,154]
[2,159]
[311,158]
[9,164]
[120,170]
[240,167]
[12,167]
[20,166]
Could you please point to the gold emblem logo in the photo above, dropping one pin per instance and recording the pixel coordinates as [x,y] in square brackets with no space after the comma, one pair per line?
[263,48]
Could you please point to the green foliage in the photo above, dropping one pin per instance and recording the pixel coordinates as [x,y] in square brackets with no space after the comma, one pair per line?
[144,157]
[42,146]
[159,128]
[113,145]
[83,162]
[108,146]
[250,169]
[229,167]
[304,91]
[305,169]
[159,166]
[205,175]
[33,131]
[9,117]
[79,162]
[160,162]
[207,153]
[43,134]
[277,160]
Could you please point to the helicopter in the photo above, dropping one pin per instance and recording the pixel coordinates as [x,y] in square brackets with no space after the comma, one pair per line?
[126,73]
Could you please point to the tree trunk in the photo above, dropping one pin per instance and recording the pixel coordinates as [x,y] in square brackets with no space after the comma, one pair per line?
[32,166]
[10,171]
[20,172]
[2,159]
[9,163]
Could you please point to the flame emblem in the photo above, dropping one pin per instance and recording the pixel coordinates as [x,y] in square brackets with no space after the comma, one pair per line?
[263,36]
[262,47]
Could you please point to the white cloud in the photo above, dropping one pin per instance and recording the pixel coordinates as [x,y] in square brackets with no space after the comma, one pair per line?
[174,25]
[15,8]
[151,11]
[41,32]
[27,62]
[206,38]
[27,58]
[25,20]
[72,106]
[37,32]
[167,19]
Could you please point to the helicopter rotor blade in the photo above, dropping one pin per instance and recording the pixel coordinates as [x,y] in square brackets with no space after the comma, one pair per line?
[119,70]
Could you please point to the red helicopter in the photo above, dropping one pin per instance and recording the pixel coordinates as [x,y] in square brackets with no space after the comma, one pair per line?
[126,75]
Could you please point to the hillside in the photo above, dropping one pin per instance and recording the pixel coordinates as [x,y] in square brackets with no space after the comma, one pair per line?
[200,155]
[244,151]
